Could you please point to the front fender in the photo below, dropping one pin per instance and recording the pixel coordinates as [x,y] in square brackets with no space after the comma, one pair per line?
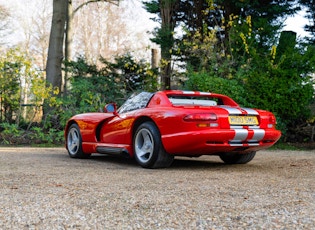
[88,124]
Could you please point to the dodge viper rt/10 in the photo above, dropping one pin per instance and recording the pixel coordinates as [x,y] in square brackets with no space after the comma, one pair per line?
[155,127]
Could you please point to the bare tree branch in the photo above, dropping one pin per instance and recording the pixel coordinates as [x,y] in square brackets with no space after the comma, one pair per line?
[115,2]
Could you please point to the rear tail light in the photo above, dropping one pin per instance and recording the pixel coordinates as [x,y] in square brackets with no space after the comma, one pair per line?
[272,119]
[201,117]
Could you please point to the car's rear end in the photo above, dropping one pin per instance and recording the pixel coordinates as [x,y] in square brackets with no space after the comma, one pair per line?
[204,123]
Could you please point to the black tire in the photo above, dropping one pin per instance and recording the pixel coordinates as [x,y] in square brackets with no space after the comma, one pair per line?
[74,142]
[148,148]
[234,158]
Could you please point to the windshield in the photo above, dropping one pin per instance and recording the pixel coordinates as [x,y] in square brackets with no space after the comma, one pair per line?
[136,101]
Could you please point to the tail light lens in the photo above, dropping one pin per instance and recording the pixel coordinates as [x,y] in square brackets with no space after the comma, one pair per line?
[272,119]
[201,117]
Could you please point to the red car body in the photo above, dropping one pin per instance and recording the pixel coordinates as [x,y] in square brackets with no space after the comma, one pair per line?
[188,123]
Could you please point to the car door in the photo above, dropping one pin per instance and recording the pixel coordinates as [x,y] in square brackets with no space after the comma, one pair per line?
[117,130]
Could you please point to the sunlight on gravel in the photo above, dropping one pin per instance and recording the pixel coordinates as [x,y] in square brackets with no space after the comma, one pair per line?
[42,188]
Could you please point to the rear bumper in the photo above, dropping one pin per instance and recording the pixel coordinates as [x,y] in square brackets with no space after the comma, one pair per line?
[215,141]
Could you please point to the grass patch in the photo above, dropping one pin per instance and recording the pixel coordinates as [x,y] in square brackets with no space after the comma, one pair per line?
[293,146]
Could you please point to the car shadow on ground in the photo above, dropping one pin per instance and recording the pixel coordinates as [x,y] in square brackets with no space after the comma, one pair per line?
[119,160]
[184,162]
[179,162]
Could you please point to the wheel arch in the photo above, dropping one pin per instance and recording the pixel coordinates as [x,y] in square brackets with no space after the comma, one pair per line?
[138,122]
[159,158]
[71,122]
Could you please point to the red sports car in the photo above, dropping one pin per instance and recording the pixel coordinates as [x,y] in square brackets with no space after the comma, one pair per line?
[155,127]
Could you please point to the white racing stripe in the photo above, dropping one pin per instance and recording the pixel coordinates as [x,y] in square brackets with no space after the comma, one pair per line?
[241,134]
[231,110]
[196,92]
[188,92]
[258,135]
[250,111]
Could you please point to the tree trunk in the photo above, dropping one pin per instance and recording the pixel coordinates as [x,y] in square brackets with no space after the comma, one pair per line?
[56,39]
[68,45]
[154,59]
[55,49]
[168,11]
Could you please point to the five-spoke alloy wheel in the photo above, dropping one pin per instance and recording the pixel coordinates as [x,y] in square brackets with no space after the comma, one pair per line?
[148,148]
[74,142]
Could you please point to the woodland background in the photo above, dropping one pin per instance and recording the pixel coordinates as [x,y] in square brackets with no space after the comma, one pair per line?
[69,57]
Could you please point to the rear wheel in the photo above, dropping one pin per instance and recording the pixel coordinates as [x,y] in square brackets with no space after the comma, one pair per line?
[234,158]
[148,148]
[74,142]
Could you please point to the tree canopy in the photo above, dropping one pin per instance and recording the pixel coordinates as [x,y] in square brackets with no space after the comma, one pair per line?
[235,48]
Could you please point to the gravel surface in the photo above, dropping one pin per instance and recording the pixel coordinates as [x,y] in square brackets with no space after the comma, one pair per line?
[42,188]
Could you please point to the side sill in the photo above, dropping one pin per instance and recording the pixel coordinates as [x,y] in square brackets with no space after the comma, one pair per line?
[113,151]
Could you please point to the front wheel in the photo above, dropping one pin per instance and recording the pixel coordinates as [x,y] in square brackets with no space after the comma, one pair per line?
[74,142]
[148,148]
[234,158]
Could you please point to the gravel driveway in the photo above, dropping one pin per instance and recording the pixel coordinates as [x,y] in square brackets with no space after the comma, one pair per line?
[42,188]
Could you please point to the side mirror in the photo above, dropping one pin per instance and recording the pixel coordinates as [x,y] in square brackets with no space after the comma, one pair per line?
[110,108]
